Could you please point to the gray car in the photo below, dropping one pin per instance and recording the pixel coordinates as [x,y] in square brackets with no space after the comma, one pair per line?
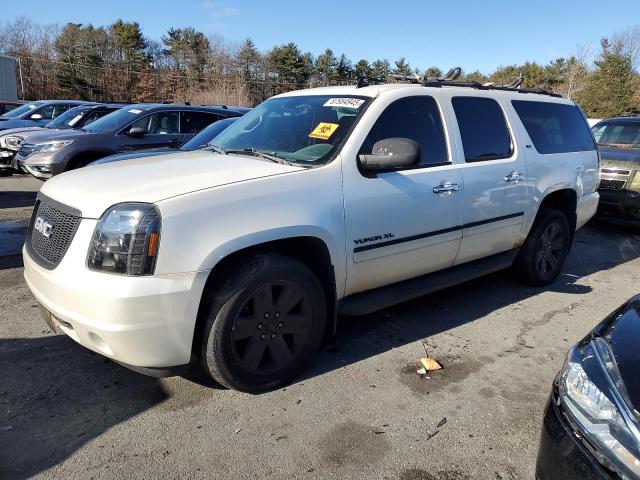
[37,113]
[132,128]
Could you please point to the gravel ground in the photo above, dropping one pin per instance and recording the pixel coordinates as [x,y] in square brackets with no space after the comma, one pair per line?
[359,412]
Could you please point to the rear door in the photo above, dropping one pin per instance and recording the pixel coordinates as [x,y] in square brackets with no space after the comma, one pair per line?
[495,178]
[407,222]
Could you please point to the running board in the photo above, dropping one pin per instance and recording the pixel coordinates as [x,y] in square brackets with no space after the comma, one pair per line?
[383,297]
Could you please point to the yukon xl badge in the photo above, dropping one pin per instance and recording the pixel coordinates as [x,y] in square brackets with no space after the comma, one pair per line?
[375,238]
[44,227]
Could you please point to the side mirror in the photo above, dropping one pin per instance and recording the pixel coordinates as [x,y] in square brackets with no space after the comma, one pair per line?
[36,116]
[137,132]
[390,154]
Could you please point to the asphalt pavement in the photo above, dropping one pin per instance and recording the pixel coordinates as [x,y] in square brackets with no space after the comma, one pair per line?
[360,412]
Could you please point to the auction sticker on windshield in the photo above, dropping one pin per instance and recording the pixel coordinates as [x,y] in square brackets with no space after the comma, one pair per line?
[344,102]
[324,130]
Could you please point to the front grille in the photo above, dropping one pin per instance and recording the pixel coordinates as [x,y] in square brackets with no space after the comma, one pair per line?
[616,171]
[26,150]
[607,184]
[63,221]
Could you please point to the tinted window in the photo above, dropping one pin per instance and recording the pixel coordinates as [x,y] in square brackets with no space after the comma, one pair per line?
[554,127]
[483,129]
[95,115]
[625,134]
[161,123]
[208,134]
[417,118]
[16,112]
[193,122]
[52,111]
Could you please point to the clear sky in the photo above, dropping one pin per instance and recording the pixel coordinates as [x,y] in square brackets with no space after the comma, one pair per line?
[479,34]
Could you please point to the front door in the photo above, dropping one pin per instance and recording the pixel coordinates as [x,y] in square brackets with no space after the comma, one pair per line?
[162,130]
[495,196]
[404,223]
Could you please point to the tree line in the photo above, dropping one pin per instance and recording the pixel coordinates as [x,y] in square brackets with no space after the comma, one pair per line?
[119,63]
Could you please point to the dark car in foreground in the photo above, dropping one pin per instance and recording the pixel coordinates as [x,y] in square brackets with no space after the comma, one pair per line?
[36,114]
[132,128]
[619,146]
[77,117]
[592,421]
[201,140]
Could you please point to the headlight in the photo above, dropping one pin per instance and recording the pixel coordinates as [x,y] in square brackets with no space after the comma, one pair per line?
[635,183]
[126,240]
[594,406]
[11,142]
[51,147]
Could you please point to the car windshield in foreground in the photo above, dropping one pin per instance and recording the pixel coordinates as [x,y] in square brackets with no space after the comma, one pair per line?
[206,136]
[16,112]
[114,120]
[305,130]
[618,134]
[69,118]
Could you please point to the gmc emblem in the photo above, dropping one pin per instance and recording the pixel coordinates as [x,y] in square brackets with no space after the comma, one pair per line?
[44,227]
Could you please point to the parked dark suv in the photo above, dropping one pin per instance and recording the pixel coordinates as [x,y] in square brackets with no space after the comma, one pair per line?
[131,128]
[619,146]
[36,114]
[77,117]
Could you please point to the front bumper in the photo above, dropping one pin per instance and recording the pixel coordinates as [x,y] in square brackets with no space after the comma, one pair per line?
[620,205]
[138,321]
[561,455]
[586,208]
[50,161]
[7,159]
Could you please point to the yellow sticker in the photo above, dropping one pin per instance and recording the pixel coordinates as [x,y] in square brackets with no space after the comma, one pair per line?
[324,130]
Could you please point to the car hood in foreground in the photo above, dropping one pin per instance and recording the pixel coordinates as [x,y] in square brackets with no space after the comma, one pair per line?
[621,330]
[149,152]
[620,157]
[150,179]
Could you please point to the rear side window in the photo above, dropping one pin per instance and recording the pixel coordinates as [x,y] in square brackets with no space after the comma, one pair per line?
[483,129]
[554,127]
[193,122]
[417,118]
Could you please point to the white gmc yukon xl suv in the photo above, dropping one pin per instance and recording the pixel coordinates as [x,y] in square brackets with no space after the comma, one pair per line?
[238,259]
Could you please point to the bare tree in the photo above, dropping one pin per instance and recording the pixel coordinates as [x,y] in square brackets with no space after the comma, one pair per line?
[629,39]
[577,71]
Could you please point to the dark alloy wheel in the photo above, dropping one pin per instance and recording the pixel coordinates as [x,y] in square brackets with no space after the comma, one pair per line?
[272,327]
[542,257]
[265,320]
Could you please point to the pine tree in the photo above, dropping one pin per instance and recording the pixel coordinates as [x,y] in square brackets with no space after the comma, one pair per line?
[610,89]
[362,68]
[381,69]
[326,65]
[402,67]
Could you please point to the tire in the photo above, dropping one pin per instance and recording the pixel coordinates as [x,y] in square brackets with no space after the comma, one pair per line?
[264,323]
[545,250]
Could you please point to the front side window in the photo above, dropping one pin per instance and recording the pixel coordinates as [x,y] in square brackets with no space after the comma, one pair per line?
[417,118]
[304,129]
[618,134]
[193,122]
[554,127]
[483,128]
[160,123]
[68,119]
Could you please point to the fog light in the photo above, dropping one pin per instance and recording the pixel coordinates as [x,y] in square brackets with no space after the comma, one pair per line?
[40,168]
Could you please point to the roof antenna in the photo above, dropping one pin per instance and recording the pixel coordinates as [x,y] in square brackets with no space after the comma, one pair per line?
[452,74]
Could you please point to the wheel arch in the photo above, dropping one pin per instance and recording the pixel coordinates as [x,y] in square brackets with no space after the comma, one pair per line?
[310,250]
[85,155]
[565,200]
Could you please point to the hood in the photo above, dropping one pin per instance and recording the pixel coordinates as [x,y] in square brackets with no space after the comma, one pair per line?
[150,152]
[150,179]
[620,157]
[23,130]
[622,331]
[48,135]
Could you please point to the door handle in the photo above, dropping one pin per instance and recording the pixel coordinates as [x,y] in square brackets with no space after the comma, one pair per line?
[514,177]
[446,187]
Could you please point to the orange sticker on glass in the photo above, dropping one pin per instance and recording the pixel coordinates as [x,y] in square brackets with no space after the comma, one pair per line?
[324,130]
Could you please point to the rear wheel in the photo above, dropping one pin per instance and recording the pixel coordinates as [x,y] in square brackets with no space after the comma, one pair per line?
[545,250]
[263,324]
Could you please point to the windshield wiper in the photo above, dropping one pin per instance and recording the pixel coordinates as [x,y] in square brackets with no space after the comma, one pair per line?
[214,148]
[257,153]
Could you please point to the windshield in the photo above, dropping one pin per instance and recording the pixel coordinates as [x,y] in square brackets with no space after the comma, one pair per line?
[625,134]
[114,120]
[300,129]
[16,112]
[69,118]
[207,135]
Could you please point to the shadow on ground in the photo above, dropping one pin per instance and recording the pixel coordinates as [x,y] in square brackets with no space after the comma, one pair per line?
[597,247]
[55,396]
[11,199]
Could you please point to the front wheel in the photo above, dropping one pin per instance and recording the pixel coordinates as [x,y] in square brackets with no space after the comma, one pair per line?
[264,323]
[545,250]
